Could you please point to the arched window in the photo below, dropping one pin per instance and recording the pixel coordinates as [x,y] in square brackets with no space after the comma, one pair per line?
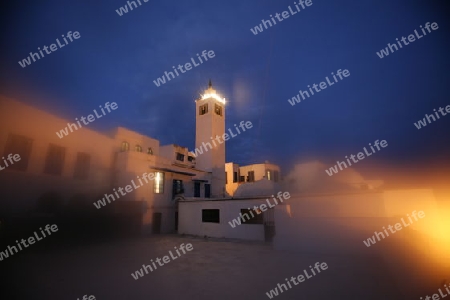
[138,148]
[125,147]
[150,151]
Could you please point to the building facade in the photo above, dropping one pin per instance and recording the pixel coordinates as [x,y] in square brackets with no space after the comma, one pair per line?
[91,167]
[237,175]
[107,171]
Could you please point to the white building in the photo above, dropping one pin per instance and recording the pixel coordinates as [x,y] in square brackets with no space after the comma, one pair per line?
[84,166]
[238,175]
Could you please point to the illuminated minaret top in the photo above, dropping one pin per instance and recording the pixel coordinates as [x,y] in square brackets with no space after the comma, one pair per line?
[211,93]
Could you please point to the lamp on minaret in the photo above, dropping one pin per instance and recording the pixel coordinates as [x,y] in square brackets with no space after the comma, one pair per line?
[210,123]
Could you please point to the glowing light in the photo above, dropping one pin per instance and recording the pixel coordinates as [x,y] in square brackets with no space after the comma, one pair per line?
[158,182]
[215,96]
[288,210]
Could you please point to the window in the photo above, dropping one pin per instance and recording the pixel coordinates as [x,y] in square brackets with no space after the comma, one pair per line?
[82,166]
[138,148]
[203,109]
[218,109]
[124,147]
[235,176]
[241,178]
[158,186]
[251,176]
[207,190]
[226,177]
[55,160]
[247,217]
[269,175]
[150,151]
[180,156]
[191,159]
[17,144]
[196,189]
[210,215]
[276,176]
[177,187]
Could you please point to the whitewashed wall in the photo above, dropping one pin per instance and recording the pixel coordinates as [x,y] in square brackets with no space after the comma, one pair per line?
[190,219]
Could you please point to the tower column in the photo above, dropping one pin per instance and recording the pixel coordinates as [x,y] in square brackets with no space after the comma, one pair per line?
[210,150]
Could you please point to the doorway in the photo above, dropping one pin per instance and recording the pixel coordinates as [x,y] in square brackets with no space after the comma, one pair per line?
[207,190]
[156,223]
[176,221]
[197,189]
[269,225]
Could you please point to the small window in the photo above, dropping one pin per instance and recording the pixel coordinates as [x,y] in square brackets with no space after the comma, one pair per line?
[248,219]
[54,162]
[125,147]
[180,156]
[150,151]
[191,159]
[17,144]
[177,188]
[82,166]
[269,175]
[235,177]
[138,148]
[226,177]
[158,186]
[251,176]
[203,109]
[218,109]
[210,215]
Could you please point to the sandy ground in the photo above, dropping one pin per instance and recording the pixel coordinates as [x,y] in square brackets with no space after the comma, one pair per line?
[214,269]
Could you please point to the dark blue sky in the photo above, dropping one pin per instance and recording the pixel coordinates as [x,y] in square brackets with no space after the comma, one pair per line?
[118,57]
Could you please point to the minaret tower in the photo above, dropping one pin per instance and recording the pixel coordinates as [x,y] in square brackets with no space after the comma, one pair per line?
[209,124]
